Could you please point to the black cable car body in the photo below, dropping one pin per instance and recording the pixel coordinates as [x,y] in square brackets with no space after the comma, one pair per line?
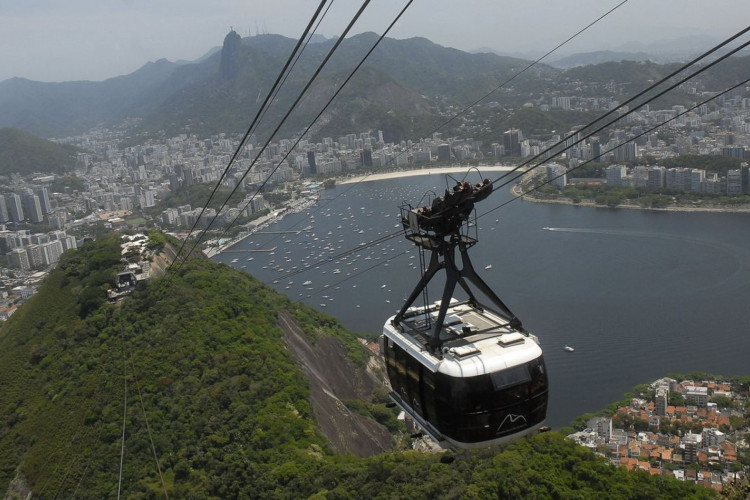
[469,376]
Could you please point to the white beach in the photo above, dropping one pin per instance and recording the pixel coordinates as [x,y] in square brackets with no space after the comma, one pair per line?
[425,171]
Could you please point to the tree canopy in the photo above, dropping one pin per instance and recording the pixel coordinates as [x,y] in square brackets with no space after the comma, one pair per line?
[195,366]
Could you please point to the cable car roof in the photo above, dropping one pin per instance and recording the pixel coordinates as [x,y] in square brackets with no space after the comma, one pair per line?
[475,341]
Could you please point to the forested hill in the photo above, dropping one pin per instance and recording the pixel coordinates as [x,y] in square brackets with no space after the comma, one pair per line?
[26,153]
[196,366]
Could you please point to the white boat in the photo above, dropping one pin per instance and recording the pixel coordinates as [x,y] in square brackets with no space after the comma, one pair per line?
[568,348]
[488,267]
[308,282]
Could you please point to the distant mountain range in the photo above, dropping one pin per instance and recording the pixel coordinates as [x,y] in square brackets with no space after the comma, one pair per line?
[394,91]
[403,89]
[660,51]
[599,57]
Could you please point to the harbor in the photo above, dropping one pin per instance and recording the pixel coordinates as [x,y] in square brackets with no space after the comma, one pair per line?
[623,332]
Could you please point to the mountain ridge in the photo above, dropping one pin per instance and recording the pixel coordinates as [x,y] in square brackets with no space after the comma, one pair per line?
[25,153]
[163,93]
[167,99]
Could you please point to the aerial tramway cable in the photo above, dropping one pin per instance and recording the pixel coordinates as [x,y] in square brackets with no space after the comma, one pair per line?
[283,120]
[623,115]
[632,99]
[650,87]
[645,132]
[393,235]
[341,87]
[272,92]
[338,90]
[148,429]
[124,419]
[464,110]
[469,376]
[671,87]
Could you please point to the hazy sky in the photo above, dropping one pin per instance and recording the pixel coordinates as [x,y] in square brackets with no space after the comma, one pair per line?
[61,40]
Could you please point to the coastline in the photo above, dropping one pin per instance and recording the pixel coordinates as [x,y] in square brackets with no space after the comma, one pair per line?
[260,223]
[514,190]
[213,251]
[422,171]
[739,210]
[270,218]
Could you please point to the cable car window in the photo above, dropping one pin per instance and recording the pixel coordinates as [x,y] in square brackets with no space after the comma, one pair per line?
[510,377]
[538,372]
[390,353]
[401,357]
[477,391]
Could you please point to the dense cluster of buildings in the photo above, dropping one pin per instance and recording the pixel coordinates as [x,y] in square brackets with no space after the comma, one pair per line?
[26,250]
[41,215]
[735,183]
[365,150]
[136,266]
[693,430]
[31,204]
[27,255]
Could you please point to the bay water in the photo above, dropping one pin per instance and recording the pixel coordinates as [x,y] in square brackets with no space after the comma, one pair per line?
[637,294]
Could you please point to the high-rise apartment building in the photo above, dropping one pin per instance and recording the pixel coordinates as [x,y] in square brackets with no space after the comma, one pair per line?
[512,142]
[33,208]
[16,210]
[4,216]
[43,195]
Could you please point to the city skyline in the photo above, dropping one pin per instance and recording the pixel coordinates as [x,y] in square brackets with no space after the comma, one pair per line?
[51,40]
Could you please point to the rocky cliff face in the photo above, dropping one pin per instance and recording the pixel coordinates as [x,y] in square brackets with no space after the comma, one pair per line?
[333,378]
[229,65]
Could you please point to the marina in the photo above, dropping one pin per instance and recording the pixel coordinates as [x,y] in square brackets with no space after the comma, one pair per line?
[250,250]
[647,319]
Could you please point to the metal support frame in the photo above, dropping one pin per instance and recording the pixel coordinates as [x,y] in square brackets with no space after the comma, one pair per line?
[455,276]
[441,232]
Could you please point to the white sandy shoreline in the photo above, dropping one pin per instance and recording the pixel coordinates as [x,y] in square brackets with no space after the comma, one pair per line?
[506,168]
[424,171]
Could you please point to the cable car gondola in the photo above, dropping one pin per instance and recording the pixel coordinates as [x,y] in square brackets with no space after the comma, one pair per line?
[469,376]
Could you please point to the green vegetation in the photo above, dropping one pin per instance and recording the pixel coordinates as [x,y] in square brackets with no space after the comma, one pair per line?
[26,153]
[224,403]
[711,164]
[591,170]
[277,198]
[377,411]
[68,181]
[156,241]
[135,221]
[196,196]
[579,423]
[611,196]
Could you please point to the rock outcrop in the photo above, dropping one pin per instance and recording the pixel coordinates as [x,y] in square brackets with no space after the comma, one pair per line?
[334,377]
